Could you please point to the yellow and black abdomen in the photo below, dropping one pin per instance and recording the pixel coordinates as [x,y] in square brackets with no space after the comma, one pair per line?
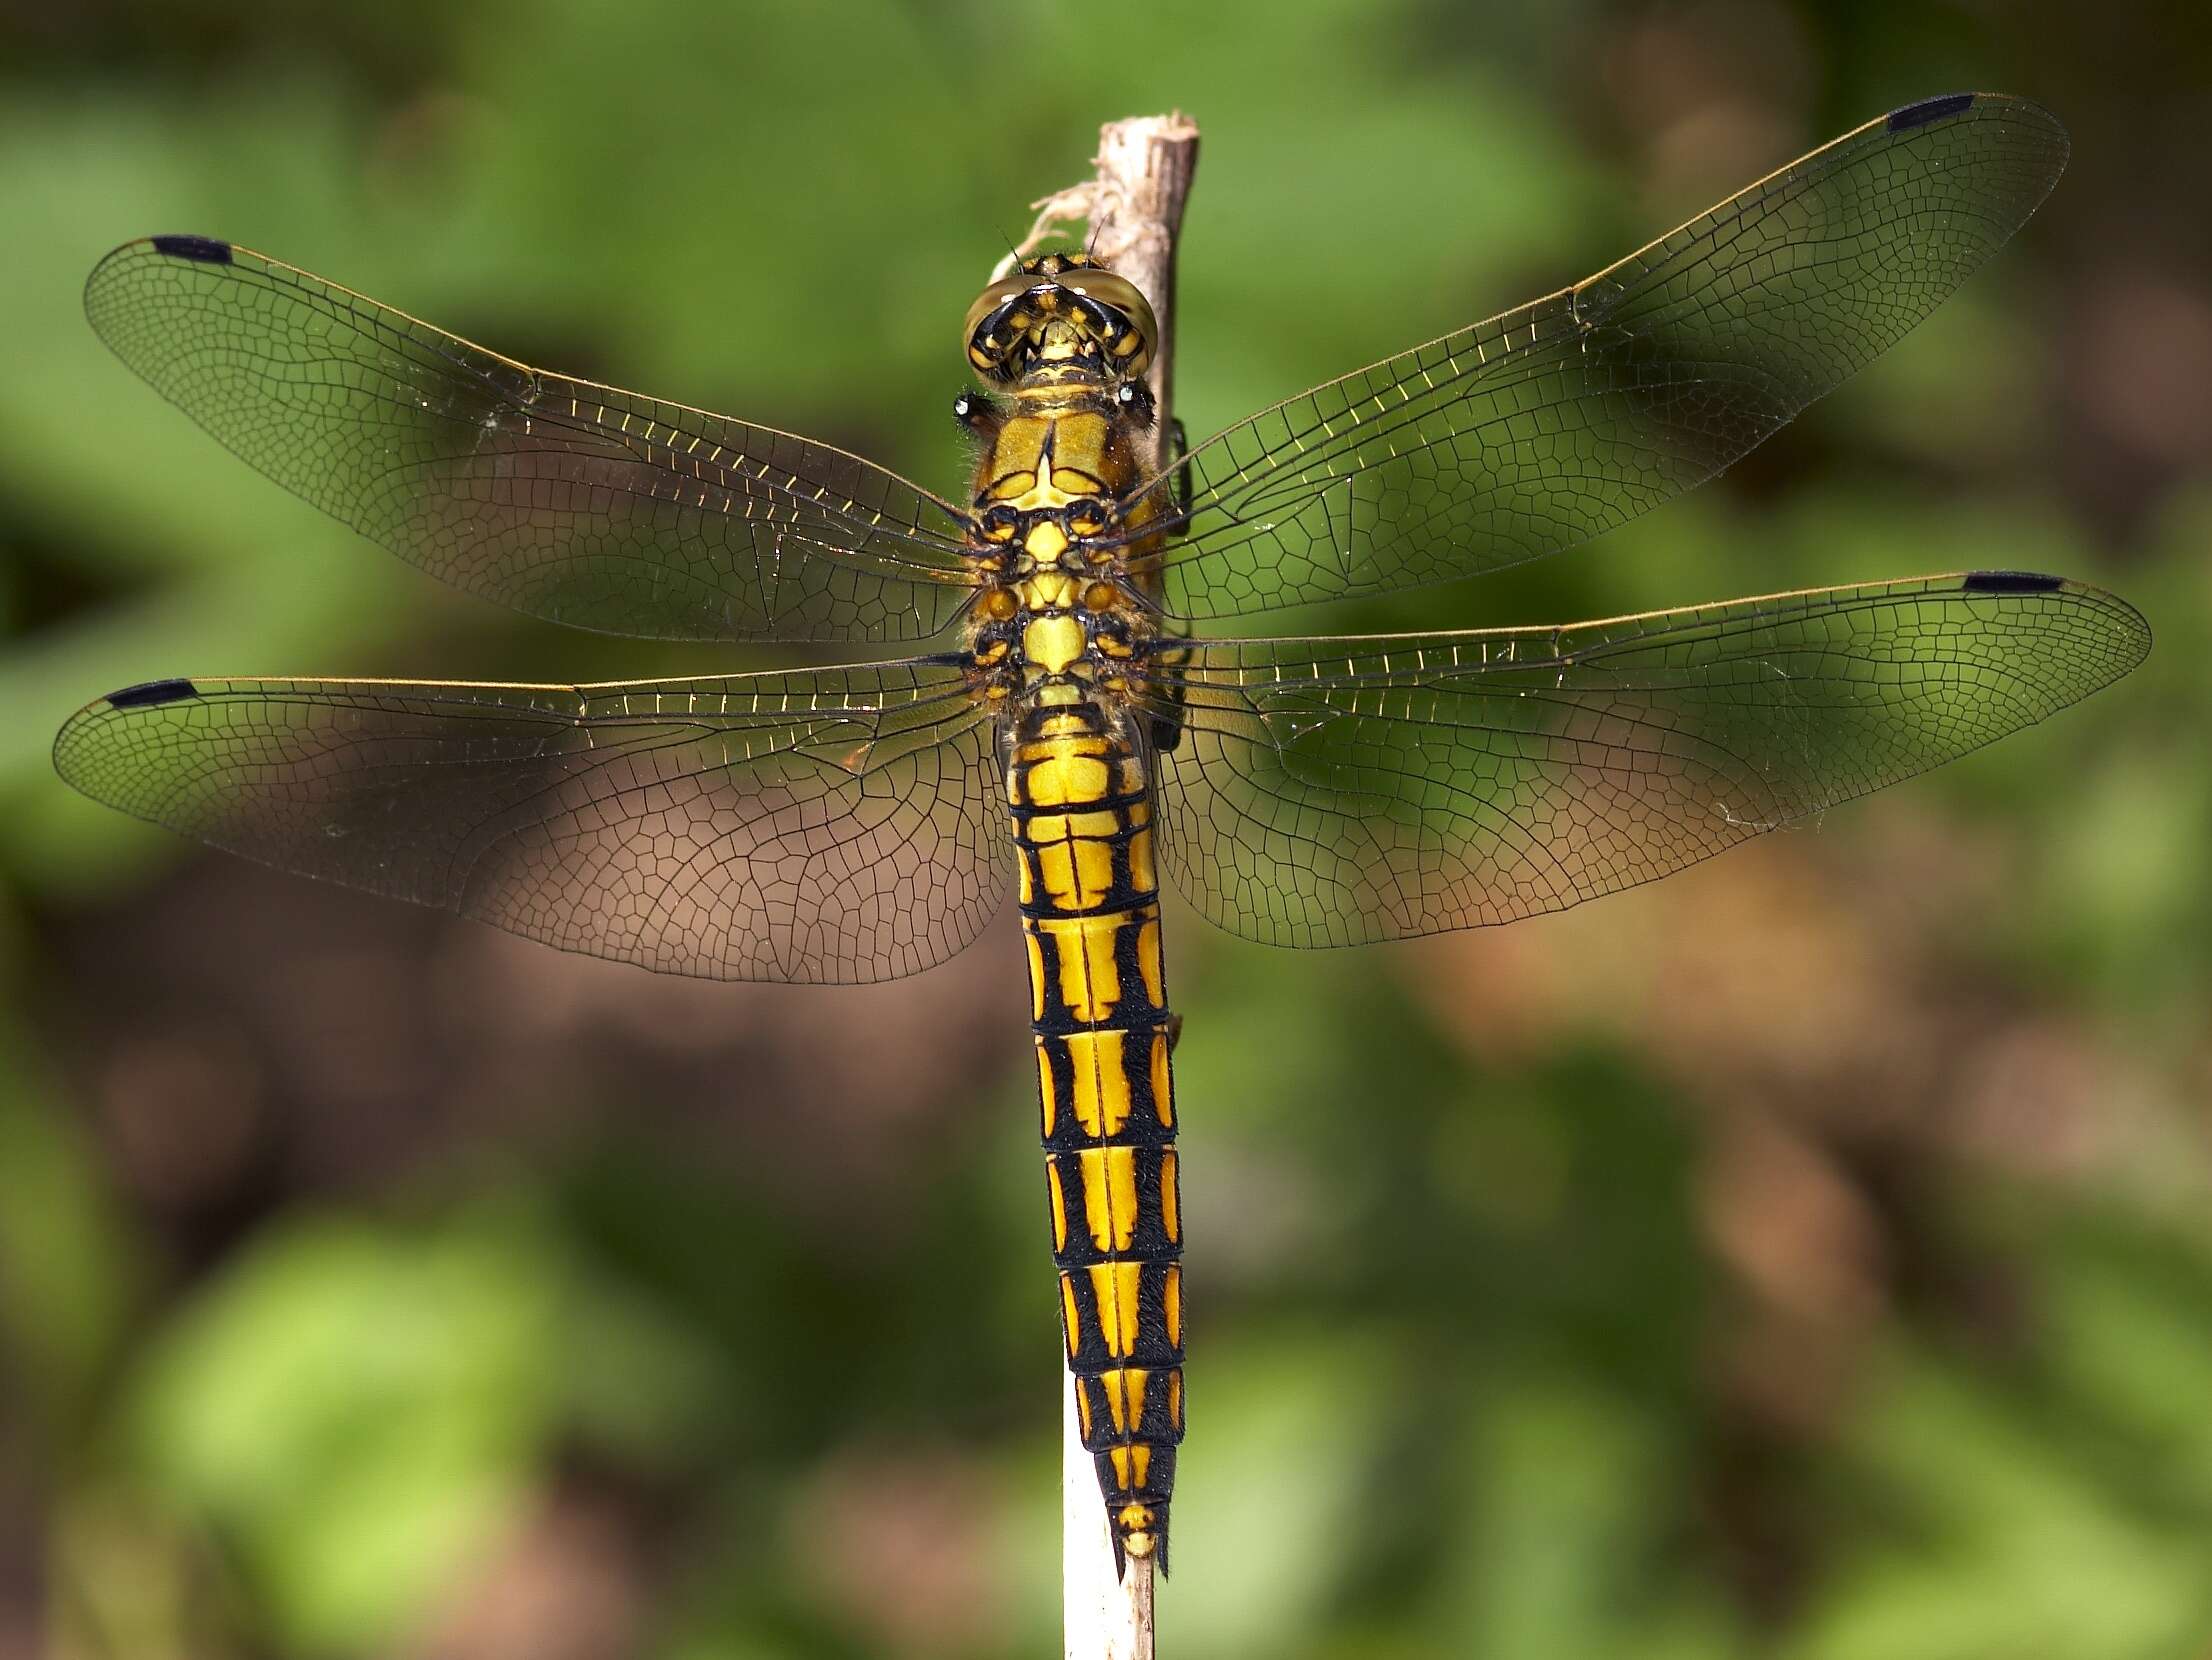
[1082,815]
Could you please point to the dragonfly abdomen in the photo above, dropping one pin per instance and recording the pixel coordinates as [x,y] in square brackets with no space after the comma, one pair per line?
[1082,817]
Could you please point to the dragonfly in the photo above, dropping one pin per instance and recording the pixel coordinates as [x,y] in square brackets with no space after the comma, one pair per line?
[1062,728]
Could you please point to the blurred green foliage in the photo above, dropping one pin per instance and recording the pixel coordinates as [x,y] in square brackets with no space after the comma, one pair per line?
[1807,1258]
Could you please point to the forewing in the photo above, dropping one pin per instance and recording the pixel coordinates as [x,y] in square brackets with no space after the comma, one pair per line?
[1328,792]
[580,503]
[1543,427]
[841,825]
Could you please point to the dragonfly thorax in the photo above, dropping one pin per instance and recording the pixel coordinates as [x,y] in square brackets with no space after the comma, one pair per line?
[1058,632]
[1059,620]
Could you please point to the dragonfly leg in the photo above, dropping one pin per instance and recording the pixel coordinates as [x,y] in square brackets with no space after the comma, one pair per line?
[1181,441]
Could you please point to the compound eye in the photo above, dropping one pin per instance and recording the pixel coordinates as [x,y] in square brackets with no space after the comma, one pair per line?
[1000,523]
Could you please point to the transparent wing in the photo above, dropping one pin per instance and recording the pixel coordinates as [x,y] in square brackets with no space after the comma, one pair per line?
[1327,792]
[840,825]
[1543,427]
[580,503]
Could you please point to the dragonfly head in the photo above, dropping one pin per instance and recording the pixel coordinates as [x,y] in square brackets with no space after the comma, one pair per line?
[1060,308]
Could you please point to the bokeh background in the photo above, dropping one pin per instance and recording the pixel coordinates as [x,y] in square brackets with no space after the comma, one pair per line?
[1809,1256]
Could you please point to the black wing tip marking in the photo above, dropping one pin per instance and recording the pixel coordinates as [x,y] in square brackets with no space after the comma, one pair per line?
[205,249]
[2011,582]
[2128,630]
[1930,110]
[152,694]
